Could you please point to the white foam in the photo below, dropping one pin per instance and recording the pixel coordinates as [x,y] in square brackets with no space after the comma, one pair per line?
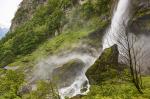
[119,20]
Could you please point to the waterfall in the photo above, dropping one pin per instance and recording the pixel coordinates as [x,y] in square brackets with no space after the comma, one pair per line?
[121,16]
[75,88]
[120,19]
[80,82]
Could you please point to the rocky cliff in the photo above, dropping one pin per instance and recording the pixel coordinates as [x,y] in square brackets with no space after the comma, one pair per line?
[25,12]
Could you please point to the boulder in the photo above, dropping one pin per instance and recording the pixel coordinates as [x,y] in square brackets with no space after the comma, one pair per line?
[104,67]
[66,74]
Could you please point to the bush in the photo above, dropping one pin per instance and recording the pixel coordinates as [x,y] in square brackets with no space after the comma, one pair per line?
[10,83]
[45,90]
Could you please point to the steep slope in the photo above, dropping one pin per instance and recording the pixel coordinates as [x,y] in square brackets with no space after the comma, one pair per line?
[25,12]
[48,20]
[52,28]
[46,35]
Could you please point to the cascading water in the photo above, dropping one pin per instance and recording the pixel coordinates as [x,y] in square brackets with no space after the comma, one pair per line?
[119,21]
[75,88]
[80,82]
[120,18]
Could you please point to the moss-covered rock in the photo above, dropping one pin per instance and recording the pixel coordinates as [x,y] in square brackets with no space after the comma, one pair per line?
[65,75]
[104,67]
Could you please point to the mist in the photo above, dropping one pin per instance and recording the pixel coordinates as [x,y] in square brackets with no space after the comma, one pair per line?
[44,69]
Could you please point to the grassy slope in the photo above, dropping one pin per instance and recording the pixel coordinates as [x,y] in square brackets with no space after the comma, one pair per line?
[120,90]
[55,45]
[64,42]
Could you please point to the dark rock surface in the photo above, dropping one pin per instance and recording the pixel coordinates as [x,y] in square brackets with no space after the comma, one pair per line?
[140,23]
[66,74]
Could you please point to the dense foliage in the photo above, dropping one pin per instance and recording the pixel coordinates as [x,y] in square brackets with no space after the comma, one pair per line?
[45,90]
[27,37]
[9,84]
[118,89]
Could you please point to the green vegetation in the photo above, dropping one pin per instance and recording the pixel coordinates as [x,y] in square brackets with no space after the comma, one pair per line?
[96,8]
[10,81]
[105,67]
[110,80]
[118,90]
[45,90]
[55,45]
[47,20]
[26,38]
[55,27]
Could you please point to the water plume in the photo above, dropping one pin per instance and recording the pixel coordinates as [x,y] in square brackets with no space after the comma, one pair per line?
[43,70]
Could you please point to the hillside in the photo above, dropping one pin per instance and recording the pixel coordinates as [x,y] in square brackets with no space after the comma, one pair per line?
[54,50]
[46,24]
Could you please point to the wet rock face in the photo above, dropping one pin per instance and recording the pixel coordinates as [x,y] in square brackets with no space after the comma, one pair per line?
[144,3]
[141,20]
[104,67]
[66,74]
[140,3]
[141,25]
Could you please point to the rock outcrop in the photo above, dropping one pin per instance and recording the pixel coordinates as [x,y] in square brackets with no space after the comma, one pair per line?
[104,67]
[66,74]
[25,12]
[141,19]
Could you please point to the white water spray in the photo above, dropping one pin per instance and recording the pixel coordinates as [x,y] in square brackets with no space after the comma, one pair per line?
[119,20]
[80,85]
[75,88]
[79,81]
